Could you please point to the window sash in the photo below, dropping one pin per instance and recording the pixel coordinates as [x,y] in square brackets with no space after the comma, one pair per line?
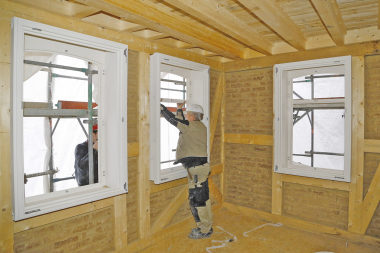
[283,110]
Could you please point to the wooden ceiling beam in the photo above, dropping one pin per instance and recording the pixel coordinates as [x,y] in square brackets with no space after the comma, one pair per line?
[155,17]
[210,12]
[277,19]
[329,12]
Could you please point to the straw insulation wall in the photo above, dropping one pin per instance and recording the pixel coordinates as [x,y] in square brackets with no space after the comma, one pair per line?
[248,168]
[248,173]
[90,232]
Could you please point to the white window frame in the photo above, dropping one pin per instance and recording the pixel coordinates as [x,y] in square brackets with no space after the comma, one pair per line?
[283,111]
[198,92]
[113,175]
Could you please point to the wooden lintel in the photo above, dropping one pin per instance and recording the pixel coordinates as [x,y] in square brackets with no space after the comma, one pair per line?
[249,139]
[215,191]
[277,19]
[165,216]
[305,226]
[133,149]
[372,146]
[371,201]
[331,17]
[323,183]
[215,109]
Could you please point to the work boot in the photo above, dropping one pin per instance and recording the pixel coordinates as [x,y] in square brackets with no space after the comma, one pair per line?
[197,234]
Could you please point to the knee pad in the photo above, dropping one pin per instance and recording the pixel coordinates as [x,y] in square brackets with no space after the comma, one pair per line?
[199,195]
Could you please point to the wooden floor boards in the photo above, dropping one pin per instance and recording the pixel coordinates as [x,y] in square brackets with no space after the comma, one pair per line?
[260,238]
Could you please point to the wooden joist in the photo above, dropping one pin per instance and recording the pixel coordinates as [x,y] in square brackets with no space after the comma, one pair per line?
[329,12]
[154,17]
[165,216]
[276,18]
[210,12]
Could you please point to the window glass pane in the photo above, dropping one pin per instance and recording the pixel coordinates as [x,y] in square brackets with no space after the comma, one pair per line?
[301,88]
[328,86]
[44,152]
[302,138]
[329,162]
[169,133]
[329,130]
[169,139]
[329,137]
[171,89]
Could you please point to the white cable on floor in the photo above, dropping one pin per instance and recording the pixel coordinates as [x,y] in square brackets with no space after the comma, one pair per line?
[266,224]
[223,243]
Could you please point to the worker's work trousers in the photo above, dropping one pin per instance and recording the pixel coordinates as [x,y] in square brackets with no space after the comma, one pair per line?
[199,196]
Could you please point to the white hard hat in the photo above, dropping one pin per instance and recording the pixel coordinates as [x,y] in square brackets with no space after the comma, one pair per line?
[194,108]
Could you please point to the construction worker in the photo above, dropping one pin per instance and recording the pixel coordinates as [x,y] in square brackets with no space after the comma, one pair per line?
[82,162]
[192,154]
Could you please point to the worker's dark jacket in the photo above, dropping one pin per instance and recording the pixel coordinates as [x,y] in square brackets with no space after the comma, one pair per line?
[81,164]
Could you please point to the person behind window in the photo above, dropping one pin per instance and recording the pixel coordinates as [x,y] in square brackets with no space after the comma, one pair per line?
[192,153]
[82,162]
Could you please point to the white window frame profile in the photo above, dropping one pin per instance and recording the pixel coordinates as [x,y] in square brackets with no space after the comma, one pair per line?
[283,120]
[198,92]
[113,171]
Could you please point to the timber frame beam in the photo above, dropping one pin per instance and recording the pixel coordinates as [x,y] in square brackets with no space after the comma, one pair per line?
[209,11]
[152,16]
[275,17]
[329,12]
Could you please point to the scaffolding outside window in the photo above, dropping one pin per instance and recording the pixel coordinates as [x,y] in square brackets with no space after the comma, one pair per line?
[318,132]
[172,91]
[48,153]
[312,123]
[59,78]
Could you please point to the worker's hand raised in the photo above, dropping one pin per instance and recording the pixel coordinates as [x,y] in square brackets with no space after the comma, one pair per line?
[180,105]
[95,145]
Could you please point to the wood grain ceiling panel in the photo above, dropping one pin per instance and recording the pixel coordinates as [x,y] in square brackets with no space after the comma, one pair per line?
[304,15]
[359,14]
